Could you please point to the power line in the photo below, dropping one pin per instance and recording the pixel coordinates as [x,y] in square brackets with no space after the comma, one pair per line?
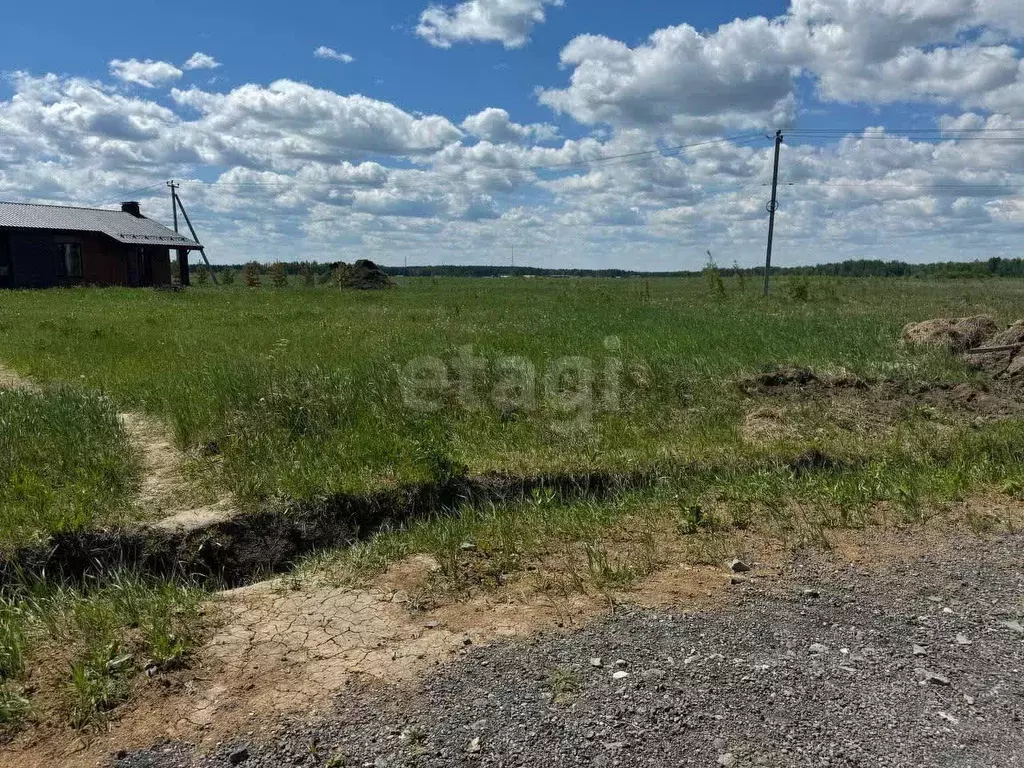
[889,130]
[896,183]
[127,193]
[737,140]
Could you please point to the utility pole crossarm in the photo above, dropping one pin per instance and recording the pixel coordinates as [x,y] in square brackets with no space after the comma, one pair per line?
[772,207]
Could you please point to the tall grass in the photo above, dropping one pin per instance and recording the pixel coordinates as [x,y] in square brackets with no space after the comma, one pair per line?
[300,390]
[65,464]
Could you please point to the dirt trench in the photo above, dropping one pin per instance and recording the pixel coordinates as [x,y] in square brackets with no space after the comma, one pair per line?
[243,549]
[219,544]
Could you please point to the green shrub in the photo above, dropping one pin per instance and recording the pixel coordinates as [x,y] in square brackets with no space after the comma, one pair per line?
[713,278]
[251,275]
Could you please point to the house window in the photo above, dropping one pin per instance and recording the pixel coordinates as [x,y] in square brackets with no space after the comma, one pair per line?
[70,259]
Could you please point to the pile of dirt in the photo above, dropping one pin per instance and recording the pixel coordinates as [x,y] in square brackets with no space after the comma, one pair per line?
[1006,363]
[791,401]
[963,335]
[796,377]
[955,334]
[364,275]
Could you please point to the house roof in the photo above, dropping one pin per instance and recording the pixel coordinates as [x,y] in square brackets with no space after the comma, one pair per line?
[121,226]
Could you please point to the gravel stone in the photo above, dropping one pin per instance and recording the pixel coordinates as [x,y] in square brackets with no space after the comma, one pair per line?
[737,681]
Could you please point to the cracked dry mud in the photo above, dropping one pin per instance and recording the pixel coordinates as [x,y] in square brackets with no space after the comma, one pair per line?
[894,650]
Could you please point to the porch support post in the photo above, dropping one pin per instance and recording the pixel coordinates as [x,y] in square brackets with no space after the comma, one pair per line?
[183,277]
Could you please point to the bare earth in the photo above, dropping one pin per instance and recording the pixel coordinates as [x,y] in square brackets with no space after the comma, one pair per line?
[285,651]
[911,655]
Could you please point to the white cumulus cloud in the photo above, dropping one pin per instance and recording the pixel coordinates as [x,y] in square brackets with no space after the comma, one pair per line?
[495,125]
[738,76]
[743,74]
[508,22]
[200,60]
[289,123]
[323,52]
[148,73]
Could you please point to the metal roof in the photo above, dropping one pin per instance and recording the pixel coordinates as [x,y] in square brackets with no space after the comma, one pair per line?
[121,226]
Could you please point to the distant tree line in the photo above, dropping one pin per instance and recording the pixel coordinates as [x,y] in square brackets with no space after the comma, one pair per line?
[994,267]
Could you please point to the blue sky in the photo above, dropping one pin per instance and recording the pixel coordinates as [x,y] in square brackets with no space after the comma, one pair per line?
[391,62]
[426,134]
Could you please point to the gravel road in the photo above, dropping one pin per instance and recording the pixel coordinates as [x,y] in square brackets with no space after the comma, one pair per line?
[913,664]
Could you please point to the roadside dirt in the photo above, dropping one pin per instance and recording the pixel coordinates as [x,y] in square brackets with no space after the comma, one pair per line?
[910,660]
[290,647]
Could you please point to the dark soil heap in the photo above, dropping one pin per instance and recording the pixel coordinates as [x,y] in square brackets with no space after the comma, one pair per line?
[364,275]
[788,377]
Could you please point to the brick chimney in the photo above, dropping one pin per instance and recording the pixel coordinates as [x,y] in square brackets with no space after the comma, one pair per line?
[132,208]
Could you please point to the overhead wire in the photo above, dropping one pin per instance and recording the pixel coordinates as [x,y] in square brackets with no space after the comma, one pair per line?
[128,192]
[661,152]
[736,140]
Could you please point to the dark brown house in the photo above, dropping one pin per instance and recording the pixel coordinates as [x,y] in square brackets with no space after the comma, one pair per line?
[49,245]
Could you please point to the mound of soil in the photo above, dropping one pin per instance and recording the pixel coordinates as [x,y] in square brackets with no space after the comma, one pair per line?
[1007,363]
[794,376]
[858,405]
[955,334]
[364,275]
[962,335]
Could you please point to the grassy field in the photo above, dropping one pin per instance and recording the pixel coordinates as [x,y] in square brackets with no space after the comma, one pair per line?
[300,390]
[65,465]
[294,395]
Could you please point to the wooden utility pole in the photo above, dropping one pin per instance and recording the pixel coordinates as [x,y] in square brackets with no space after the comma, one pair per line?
[202,251]
[183,277]
[174,202]
[772,207]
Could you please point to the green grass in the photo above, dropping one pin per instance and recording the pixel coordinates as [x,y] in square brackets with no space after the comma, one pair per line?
[301,392]
[607,544]
[301,389]
[65,465]
[90,643]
